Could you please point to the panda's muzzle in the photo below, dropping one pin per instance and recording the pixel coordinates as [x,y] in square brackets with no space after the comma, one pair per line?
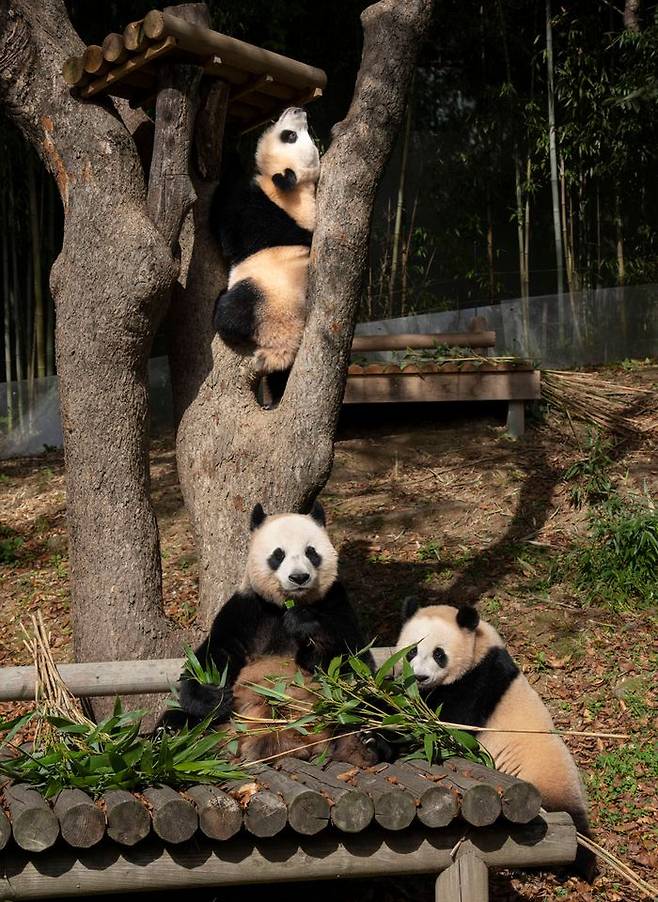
[299,577]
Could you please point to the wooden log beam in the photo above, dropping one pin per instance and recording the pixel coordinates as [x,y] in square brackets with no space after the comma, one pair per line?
[480,801]
[308,809]
[548,841]
[102,678]
[81,823]
[5,829]
[416,341]
[437,804]
[114,49]
[174,818]
[73,71]
[219,815]
[128,821]
[93,61]
[520,800]
[134,38]
[352,809]
[33,824]
[127,69]
[204,42]
[395,805]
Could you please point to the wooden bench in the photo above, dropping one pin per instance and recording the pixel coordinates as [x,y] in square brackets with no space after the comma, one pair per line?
[449,379]
[294,821]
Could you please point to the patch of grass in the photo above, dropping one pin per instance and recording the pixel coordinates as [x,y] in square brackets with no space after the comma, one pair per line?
[618,566]
[10,545]
[588,477]
[615,780]
[430,551]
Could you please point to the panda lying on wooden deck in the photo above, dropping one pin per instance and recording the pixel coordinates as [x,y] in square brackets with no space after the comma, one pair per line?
[255,636]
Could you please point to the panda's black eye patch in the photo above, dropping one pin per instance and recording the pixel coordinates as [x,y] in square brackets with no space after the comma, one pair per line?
[411,654]
[288,136]
[276,558]
[313,556]
[440,657]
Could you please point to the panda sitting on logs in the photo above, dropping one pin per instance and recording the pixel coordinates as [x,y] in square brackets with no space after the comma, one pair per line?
[290,614]
[461,663]
[265,228]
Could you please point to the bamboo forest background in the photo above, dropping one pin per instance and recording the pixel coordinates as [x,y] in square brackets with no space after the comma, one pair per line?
[526,164]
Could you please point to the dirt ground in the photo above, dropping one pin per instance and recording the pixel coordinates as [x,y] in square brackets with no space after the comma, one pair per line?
[441,504]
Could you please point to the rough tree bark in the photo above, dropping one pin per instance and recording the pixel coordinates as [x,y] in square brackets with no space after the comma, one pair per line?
[112,283]
[231,453]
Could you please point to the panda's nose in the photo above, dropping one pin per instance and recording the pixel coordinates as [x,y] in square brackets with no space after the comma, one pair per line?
[422,677]
[299,577]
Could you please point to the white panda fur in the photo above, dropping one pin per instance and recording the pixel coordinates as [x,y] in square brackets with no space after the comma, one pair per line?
[255,636]
[266,228]
[462,664]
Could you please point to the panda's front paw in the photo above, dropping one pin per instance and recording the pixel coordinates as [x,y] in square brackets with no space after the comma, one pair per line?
[300,623]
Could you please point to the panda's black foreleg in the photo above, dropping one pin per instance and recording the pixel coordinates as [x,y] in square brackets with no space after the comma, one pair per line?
[235,312]
[276,383]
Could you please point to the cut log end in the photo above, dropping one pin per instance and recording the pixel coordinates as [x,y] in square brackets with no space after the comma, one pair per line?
[266,814]
[73,71]
[128,820]
[81,823]
[174,818]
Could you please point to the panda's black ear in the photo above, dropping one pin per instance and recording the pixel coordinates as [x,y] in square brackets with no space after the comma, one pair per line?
[285,181]
[318,514]
[257,517]
[467,617]
[409,607]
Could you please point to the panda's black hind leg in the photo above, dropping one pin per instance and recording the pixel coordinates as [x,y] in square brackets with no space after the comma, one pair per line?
[235,312]
[275,386]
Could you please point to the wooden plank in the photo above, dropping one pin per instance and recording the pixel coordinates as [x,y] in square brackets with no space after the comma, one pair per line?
[33,824]
[128,820]
[155,51]
[81,823]
[205,42]
[467,880]
[548,842]
[416,340]
[220,816]
[410,387]
[174,818]
[101,678]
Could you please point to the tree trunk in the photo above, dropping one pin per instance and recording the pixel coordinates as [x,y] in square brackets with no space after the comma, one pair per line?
[399,210]
[110,283]
[231,453]
[39,307]
[552,145]
[632,15]
[6,312]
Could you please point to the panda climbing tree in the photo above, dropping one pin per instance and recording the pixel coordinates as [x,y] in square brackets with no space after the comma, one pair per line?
[125,266]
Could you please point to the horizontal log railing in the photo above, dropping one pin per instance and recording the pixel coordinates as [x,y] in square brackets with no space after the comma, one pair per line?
[102,678]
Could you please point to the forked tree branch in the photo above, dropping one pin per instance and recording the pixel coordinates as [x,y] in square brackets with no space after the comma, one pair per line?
[351,171]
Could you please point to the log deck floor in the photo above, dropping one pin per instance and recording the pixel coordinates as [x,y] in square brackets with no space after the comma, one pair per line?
[292,820]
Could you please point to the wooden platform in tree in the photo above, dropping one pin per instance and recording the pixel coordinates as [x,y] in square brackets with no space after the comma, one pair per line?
[262,83]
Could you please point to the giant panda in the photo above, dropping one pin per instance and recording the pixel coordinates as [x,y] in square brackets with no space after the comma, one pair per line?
[461,663]
[291,613]
[265,228]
